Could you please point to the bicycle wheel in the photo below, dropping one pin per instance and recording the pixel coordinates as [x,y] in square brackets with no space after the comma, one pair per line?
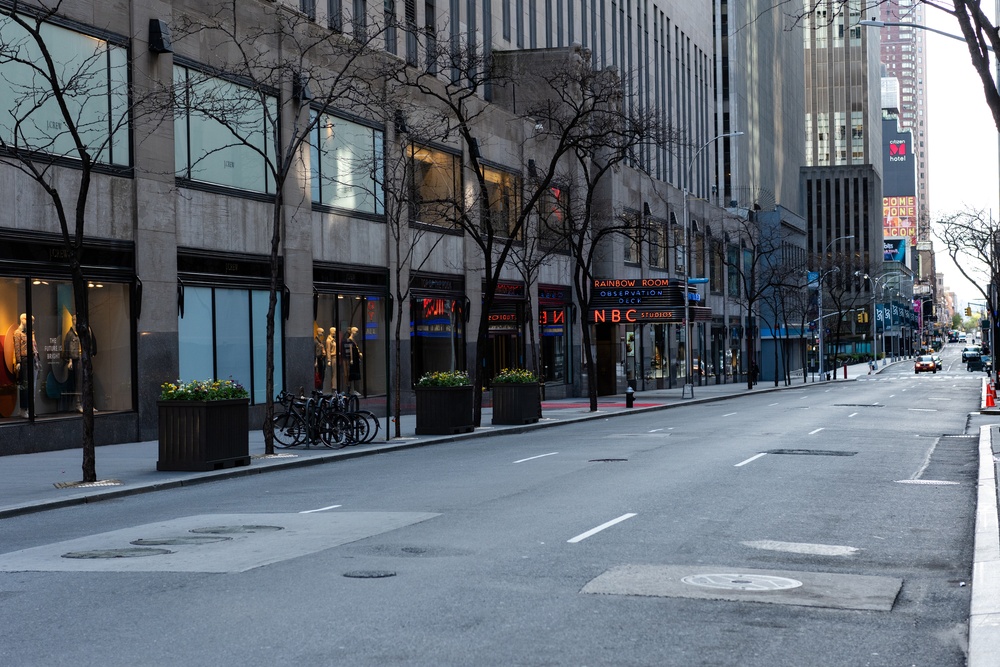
[334,429]
[288,429]
[358,429]
[372,422]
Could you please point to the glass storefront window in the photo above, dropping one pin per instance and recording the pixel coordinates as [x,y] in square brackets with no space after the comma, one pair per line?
[555,344]
[437,334]
[49,381]
[223,334]
[351,350]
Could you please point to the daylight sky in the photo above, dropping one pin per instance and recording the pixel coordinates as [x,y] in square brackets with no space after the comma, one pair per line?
[963,143]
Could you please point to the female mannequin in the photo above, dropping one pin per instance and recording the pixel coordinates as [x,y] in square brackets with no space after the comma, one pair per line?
[320,357]
[352,357]
[331,358]
[21,365]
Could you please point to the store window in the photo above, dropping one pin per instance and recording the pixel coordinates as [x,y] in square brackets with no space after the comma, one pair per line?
[94,76]
[41,348]
[222,334]
[554,328]
[347,165]
[435,191]
[437,335]
[350,342]
[230,153]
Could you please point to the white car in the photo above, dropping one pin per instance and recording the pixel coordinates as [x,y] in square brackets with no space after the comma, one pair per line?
[971,351]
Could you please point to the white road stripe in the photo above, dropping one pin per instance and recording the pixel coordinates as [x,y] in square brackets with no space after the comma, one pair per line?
[772,404]
[655,430]
[752,458]
[815,431]
[532,458]
[921,410]
[594,531]
[321,509]
[852,414]
[729,414]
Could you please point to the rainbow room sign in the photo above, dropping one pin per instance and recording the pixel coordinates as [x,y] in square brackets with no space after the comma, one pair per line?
[637,300]
[899,218]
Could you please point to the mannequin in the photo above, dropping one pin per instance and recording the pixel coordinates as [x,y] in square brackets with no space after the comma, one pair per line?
[71,353]
[352,358]
[21,364]
[320,357]
[331,358]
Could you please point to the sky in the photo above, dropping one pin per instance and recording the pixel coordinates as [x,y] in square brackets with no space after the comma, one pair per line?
[962,140]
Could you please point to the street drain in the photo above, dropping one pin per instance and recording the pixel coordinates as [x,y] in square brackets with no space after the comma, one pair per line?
[369,574]
[742,582]
[179,541]
[811,452]
[117,553]
[231,530]
[87,485]
[606,460]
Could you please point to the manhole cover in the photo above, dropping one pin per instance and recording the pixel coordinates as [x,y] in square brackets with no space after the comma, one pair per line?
[606,460]
[811,452]
[178,541]
[117,553]
[742,582]
[231,530]
[369,574]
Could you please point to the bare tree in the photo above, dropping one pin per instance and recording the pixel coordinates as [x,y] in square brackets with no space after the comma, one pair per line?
[279,66]
[67,120]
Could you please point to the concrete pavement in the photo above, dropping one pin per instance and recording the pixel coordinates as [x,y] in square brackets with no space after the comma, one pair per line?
[48,480]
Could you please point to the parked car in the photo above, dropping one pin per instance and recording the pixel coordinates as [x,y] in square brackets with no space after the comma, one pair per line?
[971,351]
[924,363]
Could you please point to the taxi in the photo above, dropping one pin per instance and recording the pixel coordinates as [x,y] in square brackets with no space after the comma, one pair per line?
[924,363]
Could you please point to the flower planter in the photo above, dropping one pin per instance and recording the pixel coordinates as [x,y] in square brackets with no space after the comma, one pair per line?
[444,410]
[516,403]
[203,435]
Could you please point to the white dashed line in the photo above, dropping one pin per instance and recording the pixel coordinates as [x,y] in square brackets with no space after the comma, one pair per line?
[321,509]
[594,531]
[729,414]
[532,458]
[815,431]
[752,458]
[851,415]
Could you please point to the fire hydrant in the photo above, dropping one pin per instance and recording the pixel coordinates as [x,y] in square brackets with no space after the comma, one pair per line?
[629,397]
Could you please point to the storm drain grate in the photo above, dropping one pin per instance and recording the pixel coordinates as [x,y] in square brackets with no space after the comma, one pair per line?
[229,530]
[369,574]
[811,452]
[178,541]
[87,485]
[117,553]
[606,460]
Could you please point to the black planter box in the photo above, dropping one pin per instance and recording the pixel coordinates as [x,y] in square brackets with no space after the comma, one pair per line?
[203,435]
[444,410]
[516,403]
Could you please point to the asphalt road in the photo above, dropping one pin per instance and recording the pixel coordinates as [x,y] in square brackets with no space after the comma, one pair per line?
[826,524]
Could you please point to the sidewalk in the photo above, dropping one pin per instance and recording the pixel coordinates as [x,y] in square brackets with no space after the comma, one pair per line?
[46,480]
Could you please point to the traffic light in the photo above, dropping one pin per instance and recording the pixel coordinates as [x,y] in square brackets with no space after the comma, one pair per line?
[968,311]
[862,317]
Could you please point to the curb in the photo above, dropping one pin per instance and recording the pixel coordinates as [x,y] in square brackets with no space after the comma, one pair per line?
[984,613]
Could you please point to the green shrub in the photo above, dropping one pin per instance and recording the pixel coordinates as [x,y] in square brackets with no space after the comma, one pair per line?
[516,376]
[444,379]
[202,390]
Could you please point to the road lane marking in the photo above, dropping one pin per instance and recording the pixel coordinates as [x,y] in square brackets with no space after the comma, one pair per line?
[921,410]
[752,458]
[892,396]
[803,548]
[321,509]
[815,431]
[594,531]
[655,430]
[532,458]
[729,414]
[851,415]
[772,404]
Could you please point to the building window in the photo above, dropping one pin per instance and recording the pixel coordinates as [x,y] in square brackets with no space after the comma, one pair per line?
[335,15]
[95,90]
[733,264]
[389,15]
[308,7]
[658,244]
[435,187]
[347,165]
[360,20]
[553,217]
[49,360]
[209,151]
[222,333]
[629,221]
[350,351]
[503,201]
[437,335]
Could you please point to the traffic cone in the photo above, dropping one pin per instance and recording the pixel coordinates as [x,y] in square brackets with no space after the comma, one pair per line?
[990,401]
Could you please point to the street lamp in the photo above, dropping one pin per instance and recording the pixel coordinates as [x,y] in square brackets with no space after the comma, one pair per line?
[885,24]
[819,303]
[688,389]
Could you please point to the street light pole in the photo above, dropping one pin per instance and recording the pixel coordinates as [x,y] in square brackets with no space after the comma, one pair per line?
[819,303]
[687,391]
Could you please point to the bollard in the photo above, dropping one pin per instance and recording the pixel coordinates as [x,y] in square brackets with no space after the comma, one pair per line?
[629,397]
